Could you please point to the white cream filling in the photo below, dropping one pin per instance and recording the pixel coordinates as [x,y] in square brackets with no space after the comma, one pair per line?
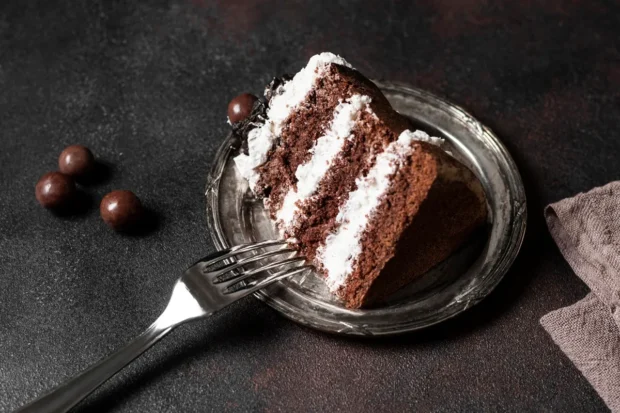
[343,246]
[324,152]
[419,135]
[289,96]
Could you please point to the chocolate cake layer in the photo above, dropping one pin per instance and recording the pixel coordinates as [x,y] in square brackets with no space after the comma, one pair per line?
[308,122]
[317,215]
[301,130]
[262,130]
[433,206]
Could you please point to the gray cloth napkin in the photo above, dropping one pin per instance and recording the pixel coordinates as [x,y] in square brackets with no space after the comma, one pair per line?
[586,228]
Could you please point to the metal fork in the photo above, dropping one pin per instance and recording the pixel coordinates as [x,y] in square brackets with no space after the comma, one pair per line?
[200,292]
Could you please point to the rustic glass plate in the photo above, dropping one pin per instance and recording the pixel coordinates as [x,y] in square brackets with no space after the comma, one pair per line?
[235,216]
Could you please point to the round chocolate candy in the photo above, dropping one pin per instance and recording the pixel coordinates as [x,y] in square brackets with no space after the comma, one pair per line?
[76,160]
[240,107]
[55,190]
[121,210]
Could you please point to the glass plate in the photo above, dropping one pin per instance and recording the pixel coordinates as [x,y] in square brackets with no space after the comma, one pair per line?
[464,279]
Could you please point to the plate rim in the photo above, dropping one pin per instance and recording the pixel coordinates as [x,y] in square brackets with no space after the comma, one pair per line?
[505,260]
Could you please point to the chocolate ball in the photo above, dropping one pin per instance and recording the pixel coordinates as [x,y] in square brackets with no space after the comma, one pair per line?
[121,210]
[76,160]
[240,107]
[55,190]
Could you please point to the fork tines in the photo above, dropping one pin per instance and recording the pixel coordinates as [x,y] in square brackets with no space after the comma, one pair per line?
[238,275]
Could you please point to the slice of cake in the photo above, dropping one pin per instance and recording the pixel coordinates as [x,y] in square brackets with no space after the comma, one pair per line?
[370,202]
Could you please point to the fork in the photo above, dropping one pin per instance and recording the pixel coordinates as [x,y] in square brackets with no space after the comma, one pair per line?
[199,292]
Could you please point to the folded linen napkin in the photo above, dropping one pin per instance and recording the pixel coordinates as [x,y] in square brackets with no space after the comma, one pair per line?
[586,228]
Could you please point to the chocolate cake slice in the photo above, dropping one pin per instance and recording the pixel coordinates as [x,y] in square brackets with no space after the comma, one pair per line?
[370,202]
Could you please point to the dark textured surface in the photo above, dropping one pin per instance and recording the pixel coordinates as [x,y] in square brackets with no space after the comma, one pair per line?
[145,85]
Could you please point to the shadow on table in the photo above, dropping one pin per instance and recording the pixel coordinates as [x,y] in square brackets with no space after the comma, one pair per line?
[82,205]
[100,174]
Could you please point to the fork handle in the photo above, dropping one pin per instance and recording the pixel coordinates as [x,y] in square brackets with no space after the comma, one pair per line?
[70,393]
